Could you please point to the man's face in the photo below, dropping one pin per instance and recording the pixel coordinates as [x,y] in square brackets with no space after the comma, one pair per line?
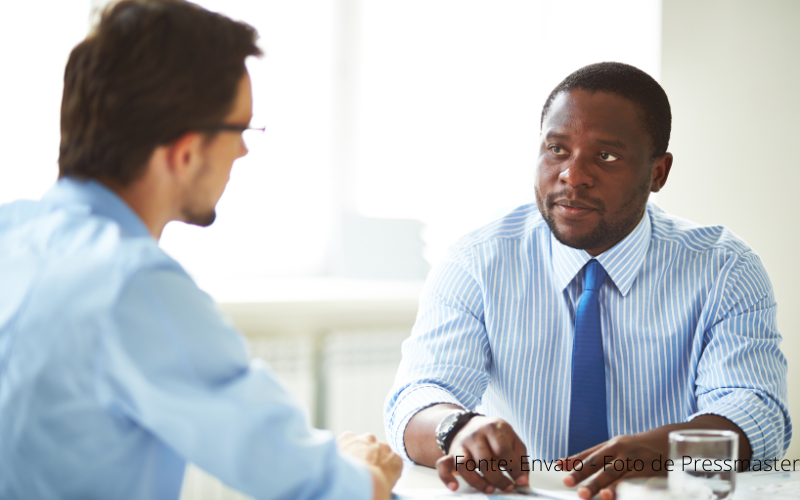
[595,169]
[205,188]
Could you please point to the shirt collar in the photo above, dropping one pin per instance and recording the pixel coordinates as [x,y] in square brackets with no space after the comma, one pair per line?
[100,201]
[622,261]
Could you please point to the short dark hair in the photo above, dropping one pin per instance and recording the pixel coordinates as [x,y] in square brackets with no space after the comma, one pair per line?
[631,83]
[150,71]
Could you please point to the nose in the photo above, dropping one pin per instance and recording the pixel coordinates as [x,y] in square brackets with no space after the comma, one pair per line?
[243,151]
[576,172]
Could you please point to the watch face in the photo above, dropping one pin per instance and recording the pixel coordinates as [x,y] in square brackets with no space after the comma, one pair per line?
[445,426]
[448,422]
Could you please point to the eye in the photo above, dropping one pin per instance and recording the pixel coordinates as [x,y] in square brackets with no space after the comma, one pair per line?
[608,157]
[556,150]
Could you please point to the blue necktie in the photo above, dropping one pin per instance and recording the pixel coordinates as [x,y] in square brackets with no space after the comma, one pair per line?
[588,420]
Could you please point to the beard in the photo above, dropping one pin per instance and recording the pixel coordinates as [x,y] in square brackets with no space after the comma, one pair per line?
[202,219]
[194,212]
[606,232]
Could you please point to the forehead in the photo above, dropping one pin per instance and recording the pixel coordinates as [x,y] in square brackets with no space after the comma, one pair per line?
[596,115]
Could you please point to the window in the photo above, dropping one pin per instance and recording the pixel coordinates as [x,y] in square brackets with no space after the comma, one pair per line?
[375,110]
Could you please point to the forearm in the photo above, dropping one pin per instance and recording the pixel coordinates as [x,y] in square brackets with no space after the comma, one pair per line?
[745,335]
[420,434]
[708,422]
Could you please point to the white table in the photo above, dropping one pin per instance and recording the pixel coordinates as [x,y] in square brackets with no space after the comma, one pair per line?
[423,483]
[418,477]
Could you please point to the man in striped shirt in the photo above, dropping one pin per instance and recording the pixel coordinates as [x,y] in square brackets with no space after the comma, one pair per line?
[687,313]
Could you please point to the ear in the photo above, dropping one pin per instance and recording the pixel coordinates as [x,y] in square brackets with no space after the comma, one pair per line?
[661,167]
[184,153]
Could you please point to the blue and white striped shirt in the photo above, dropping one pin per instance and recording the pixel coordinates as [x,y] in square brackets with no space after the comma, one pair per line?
[688,321]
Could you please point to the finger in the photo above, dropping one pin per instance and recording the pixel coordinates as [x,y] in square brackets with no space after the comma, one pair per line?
[609,492]
[502,441]
[445,466]
[345,436]
[583,455]
[581,469]
[605,483]
[368,436]
[603,479]
[467,467]
[395,466]
[520,476]
[568,464]
[506,445]
[486,462]
[499,436]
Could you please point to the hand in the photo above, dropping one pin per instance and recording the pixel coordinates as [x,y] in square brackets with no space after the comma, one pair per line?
[651,448]
[633,454]
[383,463]
[489,439]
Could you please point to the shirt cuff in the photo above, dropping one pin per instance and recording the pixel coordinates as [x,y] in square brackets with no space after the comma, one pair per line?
[409,403]
[733,408]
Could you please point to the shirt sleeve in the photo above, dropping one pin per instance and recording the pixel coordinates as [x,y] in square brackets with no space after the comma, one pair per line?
[742,372]
[447,357]
[173,364]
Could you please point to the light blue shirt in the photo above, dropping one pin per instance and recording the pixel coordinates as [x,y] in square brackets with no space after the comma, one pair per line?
[115,369]
[687,318]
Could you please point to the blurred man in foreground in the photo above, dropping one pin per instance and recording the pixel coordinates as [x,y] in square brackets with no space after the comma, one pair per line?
[115,369]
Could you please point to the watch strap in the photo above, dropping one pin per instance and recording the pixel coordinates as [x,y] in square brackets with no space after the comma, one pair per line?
[445,436]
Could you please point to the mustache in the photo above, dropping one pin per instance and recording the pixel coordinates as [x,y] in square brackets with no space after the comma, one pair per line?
[570,195]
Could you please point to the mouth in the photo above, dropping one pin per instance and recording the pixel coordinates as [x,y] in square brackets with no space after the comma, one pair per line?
[573,208]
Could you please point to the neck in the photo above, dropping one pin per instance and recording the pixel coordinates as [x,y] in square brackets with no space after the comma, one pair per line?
[148,200]
[594,252]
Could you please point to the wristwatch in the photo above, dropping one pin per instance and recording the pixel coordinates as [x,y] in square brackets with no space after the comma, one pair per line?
[449,427]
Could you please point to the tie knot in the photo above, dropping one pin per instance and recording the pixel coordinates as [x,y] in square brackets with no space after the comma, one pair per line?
[595,275]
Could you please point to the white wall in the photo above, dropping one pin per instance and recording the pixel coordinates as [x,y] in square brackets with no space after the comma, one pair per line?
[449,94]
[731,71]
[35,42]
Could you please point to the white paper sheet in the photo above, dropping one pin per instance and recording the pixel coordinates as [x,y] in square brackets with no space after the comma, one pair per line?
[543,485]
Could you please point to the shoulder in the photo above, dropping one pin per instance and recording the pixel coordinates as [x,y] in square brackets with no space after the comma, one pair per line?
[74,260]
[691,237]
[719,251]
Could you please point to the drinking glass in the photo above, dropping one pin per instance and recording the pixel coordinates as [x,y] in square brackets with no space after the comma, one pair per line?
[704,464]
